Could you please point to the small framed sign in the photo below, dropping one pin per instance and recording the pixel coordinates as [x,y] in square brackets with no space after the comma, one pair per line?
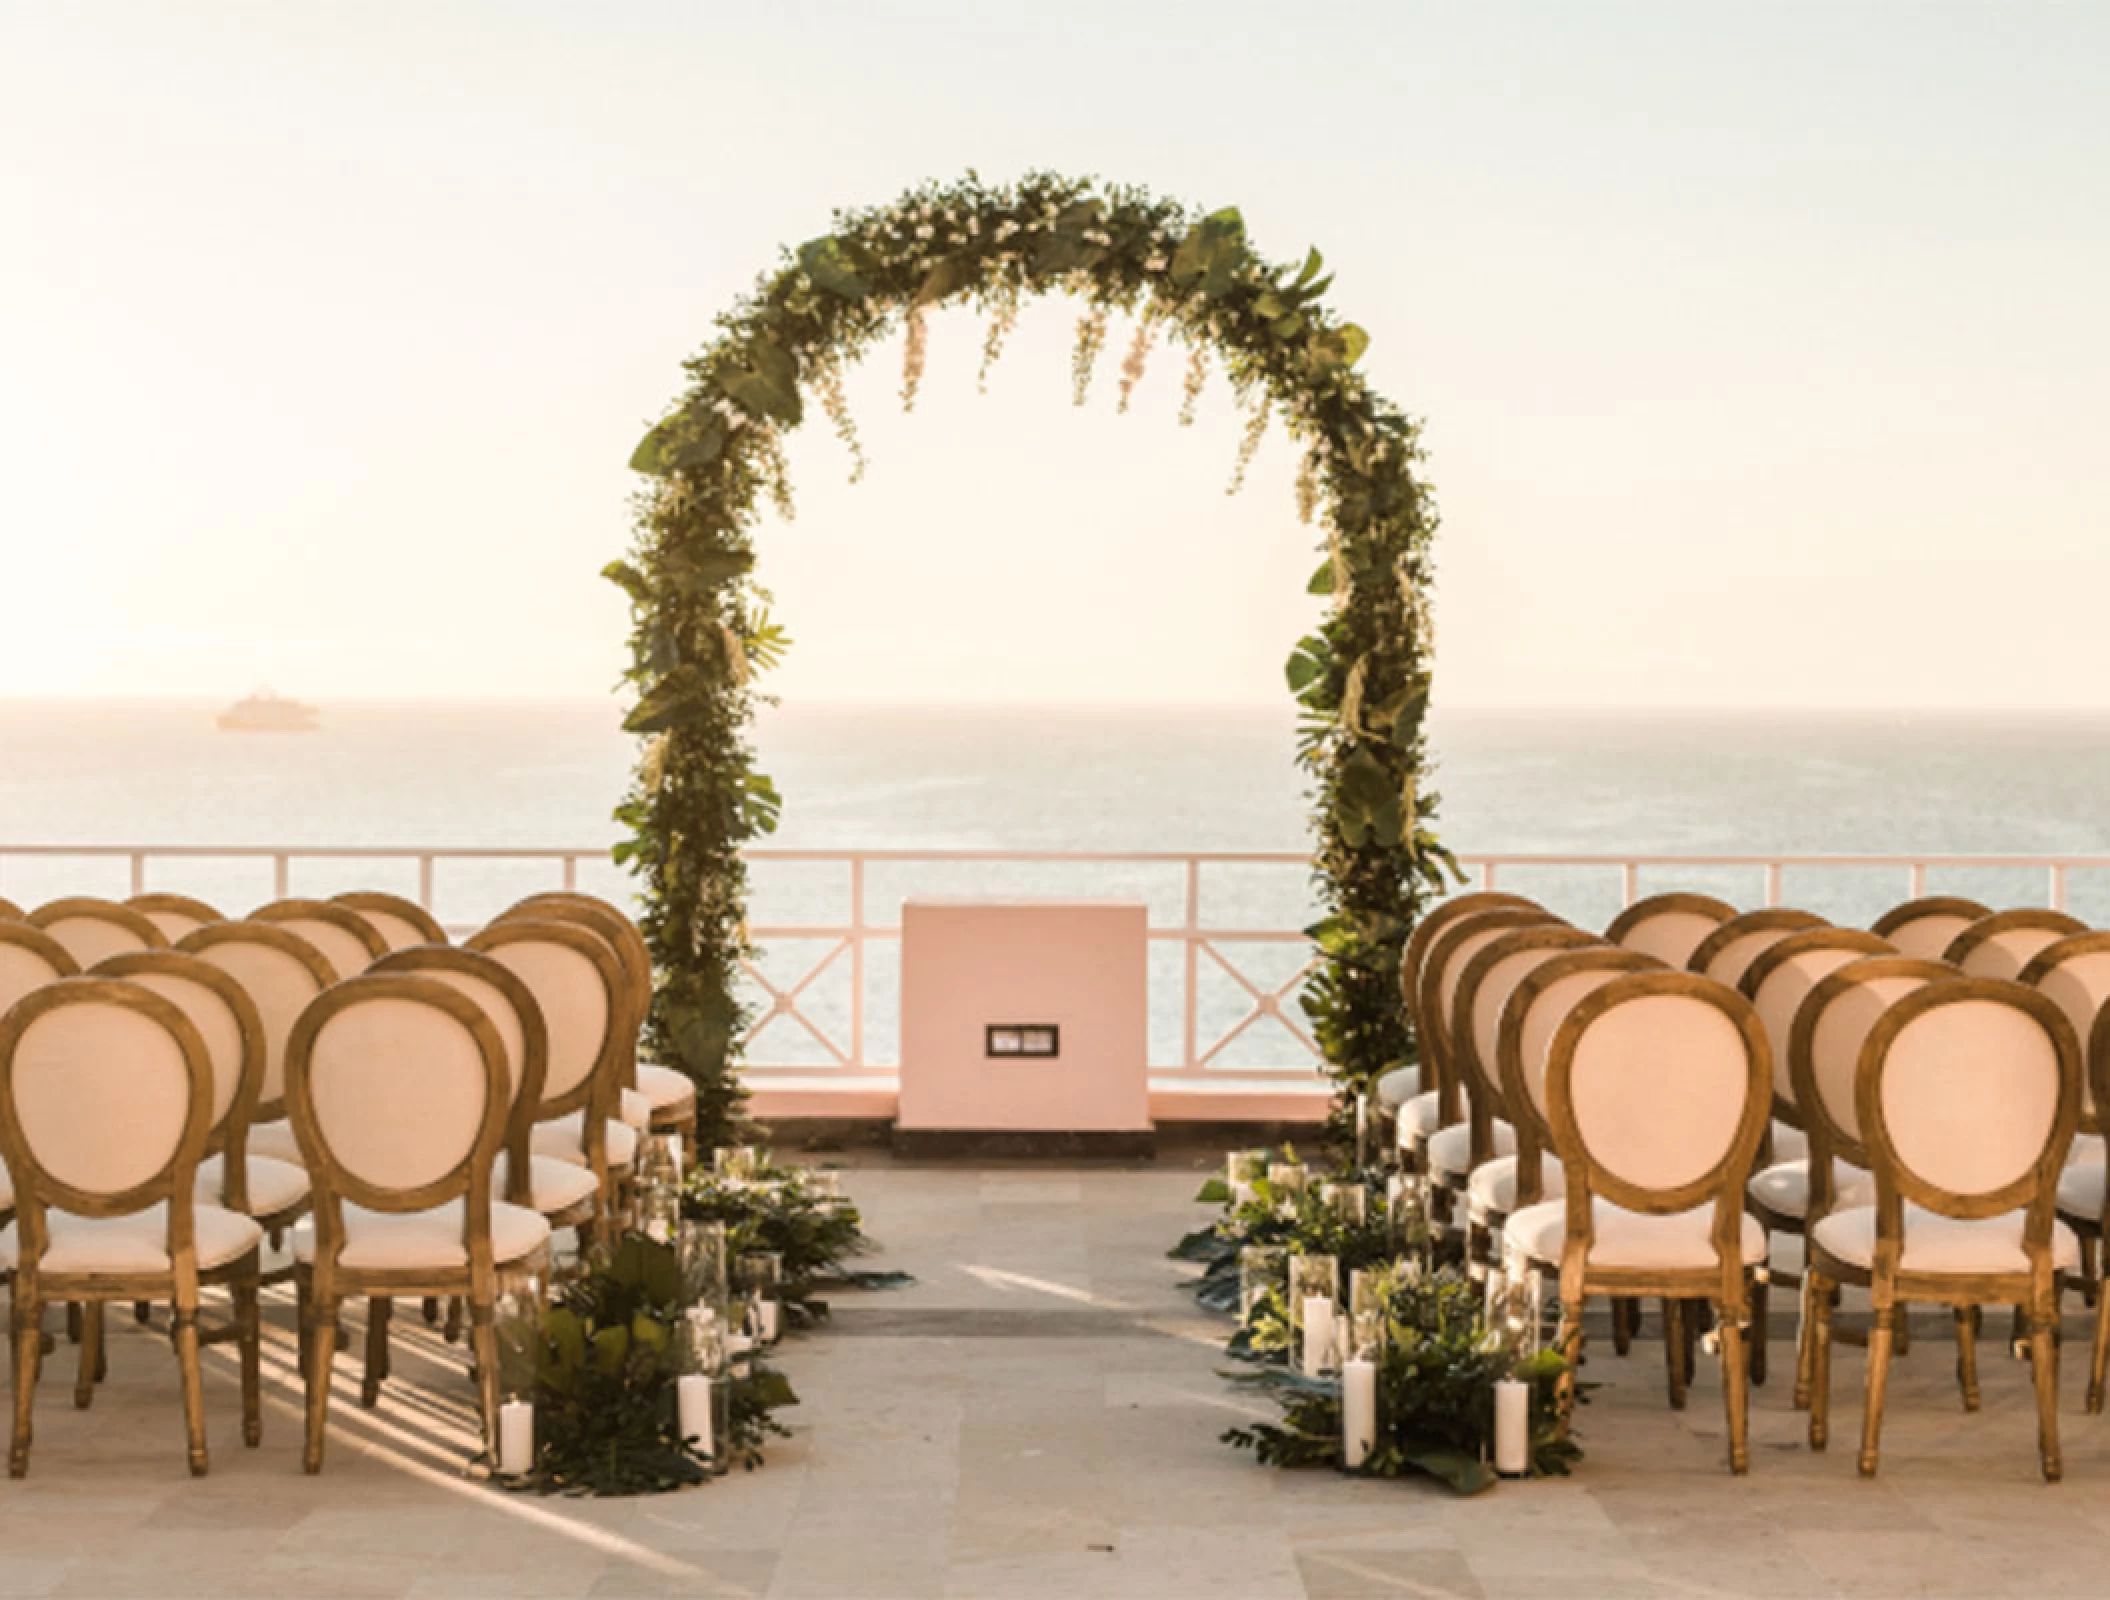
[1038,1040]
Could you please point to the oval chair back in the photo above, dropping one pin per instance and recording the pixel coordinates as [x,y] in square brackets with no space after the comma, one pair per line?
[1668,926]
[1531,1016]
[347,940]
[29,959]
[1782,976]
[578,987]
[175,914]
[624,941]
[9,911]
[2073,973]
[1726,953]
[232,1031]
[91,929]
[281,973]
[510,1006]
[2001,945]
[400,922]
[1426,931]
[1926,926]
[1490,978]
[1442,970]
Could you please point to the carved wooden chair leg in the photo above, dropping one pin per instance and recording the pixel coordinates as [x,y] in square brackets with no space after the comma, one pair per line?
[303,1317]
[1820,1303]
[90,1354]
[1760,1292]
[76,1319]
[322,1353]
[185,1322]
[1571,1344]
[453,1330]
[430,1306]
[249,1333]
[483,1342]
[1699,1317]
[1626,1316]
[2099,1357]
[1674,1350]
[2044,1364]
[1805,1342]
[2089,1284]
[142,1312]
[1736,1394]
[29,1355]
[1880,1336]
[1903,1329]
[378,1311]
[1967,1358]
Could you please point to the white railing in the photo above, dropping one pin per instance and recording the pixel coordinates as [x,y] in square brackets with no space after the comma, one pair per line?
[1207,1027]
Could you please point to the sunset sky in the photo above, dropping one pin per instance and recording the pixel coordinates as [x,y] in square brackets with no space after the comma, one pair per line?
[1762,348]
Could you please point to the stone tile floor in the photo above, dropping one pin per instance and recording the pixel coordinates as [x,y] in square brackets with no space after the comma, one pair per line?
[1039,1416]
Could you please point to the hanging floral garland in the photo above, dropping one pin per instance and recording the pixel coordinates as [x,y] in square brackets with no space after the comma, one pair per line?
[701,626]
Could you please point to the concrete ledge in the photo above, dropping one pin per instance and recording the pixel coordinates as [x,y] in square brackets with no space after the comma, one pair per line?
[875,1096]
[1004,1144]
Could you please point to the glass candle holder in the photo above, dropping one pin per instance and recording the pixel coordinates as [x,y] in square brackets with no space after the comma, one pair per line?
[1311,1277]
[1515,1305]
[700,1248]
[740,1162]
[1288,1177]
[1244,1166]
[1260,1268]
[516,1326]
[1407,1211]
[758,1278]
[824,1183]
[1366,1334]
[1346,1199]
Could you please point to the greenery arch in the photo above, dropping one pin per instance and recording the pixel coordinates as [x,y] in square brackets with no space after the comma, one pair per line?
[702,629]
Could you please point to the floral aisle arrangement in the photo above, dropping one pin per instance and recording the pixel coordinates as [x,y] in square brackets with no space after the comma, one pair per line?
[702,628]
[1384,1361]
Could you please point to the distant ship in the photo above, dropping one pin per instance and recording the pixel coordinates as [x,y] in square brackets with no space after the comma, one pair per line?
[265,712]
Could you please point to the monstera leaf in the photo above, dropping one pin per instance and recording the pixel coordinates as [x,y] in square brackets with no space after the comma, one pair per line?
[833,265]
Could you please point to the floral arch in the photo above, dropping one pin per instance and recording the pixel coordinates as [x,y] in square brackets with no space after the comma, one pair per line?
[701,628]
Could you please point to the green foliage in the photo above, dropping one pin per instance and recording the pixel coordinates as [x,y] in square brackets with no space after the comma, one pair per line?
[700,624]
[778,1210]
[604,1370]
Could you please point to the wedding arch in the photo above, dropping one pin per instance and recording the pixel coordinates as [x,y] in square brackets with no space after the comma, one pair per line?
[701,628]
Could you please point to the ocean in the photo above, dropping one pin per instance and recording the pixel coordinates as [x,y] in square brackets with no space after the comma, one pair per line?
[439,775]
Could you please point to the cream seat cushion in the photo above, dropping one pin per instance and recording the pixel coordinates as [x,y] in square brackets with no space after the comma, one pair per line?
[663,1087]
[2088,1151]
[1450,1149]
[418,1240]
[137,1243]
[275,1140]
[1492,1189]
[564,1138]
[1790,1144]
[554,1185]
[7,1190]
[1398,1086]
[1935,1243]
[273,1184]
[1418,1118]
[1784,1187]
[634,1108]
[1627,1238]
[2081,1190]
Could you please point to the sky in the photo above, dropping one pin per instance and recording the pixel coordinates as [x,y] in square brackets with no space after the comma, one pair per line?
[1761,348]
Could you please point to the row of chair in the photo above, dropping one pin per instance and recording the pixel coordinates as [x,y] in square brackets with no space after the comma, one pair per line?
[177,1087]
[1908,1115]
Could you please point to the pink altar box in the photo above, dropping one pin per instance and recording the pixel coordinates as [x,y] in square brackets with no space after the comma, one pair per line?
[989,988]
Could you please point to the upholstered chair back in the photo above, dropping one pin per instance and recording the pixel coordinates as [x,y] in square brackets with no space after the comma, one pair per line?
[2074,974]
[1725,954]
[1668,927]
[1658,1087]
[1824,1045]
[578,988]
[1431,926]
[347,940]
[1535,1010]
[1491,977]
[281,973]
[396,1084]
[2001,945]
[400,922]
[1443,972]
[227,1021]
[92,929]
[9,911]
[174,914]
[1782,976]
[624,942]
[1968,1094]
[1926,927]
[29,959]
[105,1095]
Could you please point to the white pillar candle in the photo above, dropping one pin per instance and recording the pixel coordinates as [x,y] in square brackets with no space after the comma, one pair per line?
[1512,1428]
[737,1348]
[1358,1411]
[1241,1194]
[693,1396]
[516,1438]
[1318,1334]
[768,1317]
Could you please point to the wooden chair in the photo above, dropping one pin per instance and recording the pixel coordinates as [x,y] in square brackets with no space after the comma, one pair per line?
[29,959]
[1668,927]
[1967,1092]
[1657,1089]
[2074,974]
[1776,983]
[9,911]
[1725,956]
[2001,945]
[1406,1096]
[91,929]
[105,1101]
[175,914]
[1925,927]
[347,940]
[669,1093]
[401,923]
[578,987]
[281,973]
[397,1088]
[605,923]
[1824,1053]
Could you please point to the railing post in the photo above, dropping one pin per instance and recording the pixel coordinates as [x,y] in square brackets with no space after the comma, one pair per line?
[281,875]
[1487,873]
[1189,1019]
[425,869]
[1916,881]
[857,961]
[1773,875]
[139,872]
[571,874]
[1629,883]
[2058,887]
